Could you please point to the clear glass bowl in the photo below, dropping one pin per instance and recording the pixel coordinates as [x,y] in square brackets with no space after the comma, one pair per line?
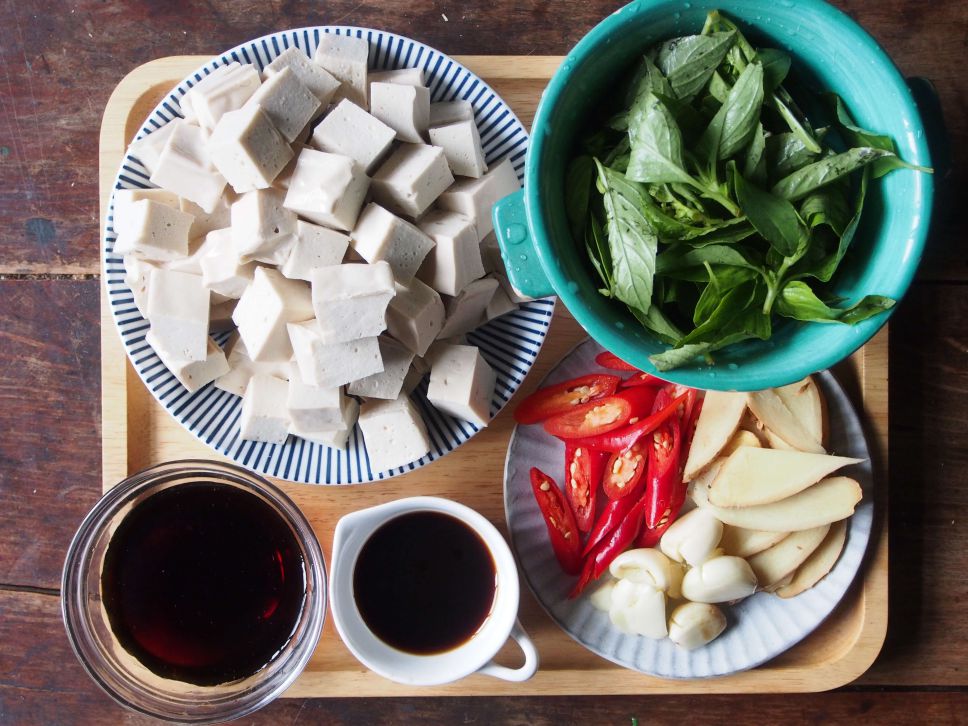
[123,677]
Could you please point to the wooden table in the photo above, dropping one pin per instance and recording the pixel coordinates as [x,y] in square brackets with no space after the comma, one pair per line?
[60,62]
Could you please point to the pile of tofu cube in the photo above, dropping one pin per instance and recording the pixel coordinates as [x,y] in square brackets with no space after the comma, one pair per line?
[340,223]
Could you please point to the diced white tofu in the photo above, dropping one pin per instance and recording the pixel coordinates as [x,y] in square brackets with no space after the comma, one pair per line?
[381,235]
[192,374]
[351,300]
[415,315]
[265,307]
[455,259]
[491,255]
[205,222]
[125,216]
[152,230]
[345,58]
[450,112]
[388,383]
[242,367]
[405,109]
[264,413]
[288,103]
[332,364]
[315,78]
[247,149]
[500,305]
[148,148]
[412,179]
[352,132]
[406,76]
[461,383]
[185,168]
[312,408]
[263,229]
[224,89]
[476,197]
[197,249]
[137,275]
[418,369]
[178,307]
[468,310]
[394,433]
[327,189]
[462,146]
[333,437]
[315,247]
[222,271]
[220,316]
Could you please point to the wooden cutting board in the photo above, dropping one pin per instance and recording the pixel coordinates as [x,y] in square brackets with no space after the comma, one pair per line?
[138,432]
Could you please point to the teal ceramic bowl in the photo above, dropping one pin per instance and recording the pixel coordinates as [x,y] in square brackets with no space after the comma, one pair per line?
[830,51]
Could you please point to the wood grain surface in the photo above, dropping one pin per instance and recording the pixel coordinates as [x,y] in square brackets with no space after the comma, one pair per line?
[60,61]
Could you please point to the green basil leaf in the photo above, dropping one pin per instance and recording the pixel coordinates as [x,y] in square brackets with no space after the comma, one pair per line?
[796,125]
[728,307]
[656,321]
[597,247]
[754,157]
[826,206]
[776,65]
[773,217]
[656,143]
[682,257]
[648,79]
[579,180]
[678,357]
[732,231]
[632,243]
[798,301]
[688,62]
[826,269]
[785,153]
[718,87]
[722,279]
[735,123]
[820,173]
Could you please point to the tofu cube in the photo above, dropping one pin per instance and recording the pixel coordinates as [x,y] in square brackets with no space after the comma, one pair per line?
[327,189]
[406,76]
[248,150]
[264,413]
[352,132]
[394,433]
[491,255]
[462,146]
[455,259]
[476,197]
[334,437]
[345,58]
[288,103]
[418,369]
[152,230]
[224,89]
[264,309]
[125,216]
[137,275]
[351,300]
[469,309]
[415,315]
[500,305]
[315,78]
[461,383]
[178,307]
[443,113]
[388,383]
[404,108]
[148,148]
[411,179]
[185,168]
[205,222]
[332,364]
[192,374]
[222,271]
[312,408]
[381,235]
[262,228]
[242,367]
[315,247]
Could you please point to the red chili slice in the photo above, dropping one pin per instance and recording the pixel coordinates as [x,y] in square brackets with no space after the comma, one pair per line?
[642,379]
[608,549]
[664,477]
[611,361]
[559,520]
[591,419]
[622,439]
[583,474]
[561,397]
[624,471]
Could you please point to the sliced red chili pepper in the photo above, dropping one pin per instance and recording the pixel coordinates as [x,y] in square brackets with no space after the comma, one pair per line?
[622,439]
[641,399]
[650,536]
[642,379]
[553,400]
[608,549]
[664,474]
[624,471]
[612,515]
[583,474]
[611,361]
[591,419]
[559,520]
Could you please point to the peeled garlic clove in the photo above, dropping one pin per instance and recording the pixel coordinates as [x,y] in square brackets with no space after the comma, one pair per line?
[692,538]
[720,579]
[693,624]
[638,609]
[644,566]
[601,599]
[677,571]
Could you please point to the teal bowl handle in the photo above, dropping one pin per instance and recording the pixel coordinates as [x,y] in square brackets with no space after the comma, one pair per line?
[517,247]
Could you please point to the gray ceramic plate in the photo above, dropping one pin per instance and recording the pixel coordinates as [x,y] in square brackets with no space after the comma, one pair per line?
[760,627]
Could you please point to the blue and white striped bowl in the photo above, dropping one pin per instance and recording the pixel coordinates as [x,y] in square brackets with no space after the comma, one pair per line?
[510,344]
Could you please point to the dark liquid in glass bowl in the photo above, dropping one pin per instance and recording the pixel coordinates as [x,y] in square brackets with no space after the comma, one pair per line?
[203,583]
[424,582]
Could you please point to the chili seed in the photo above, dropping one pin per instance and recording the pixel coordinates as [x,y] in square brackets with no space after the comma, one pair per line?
[545,486]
